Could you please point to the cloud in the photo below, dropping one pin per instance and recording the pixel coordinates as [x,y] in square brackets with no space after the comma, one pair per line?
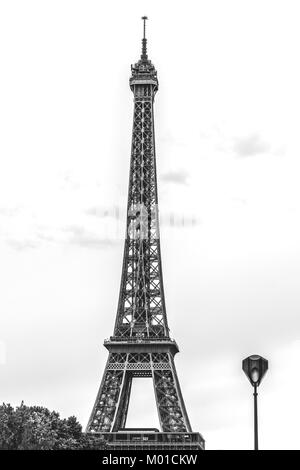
[70,235]
[2,352]
[169,138]
[176,177]
[251,145]
[9,211]
[101,212]
[21,245]
[69,181]
[45,237]
[80,236]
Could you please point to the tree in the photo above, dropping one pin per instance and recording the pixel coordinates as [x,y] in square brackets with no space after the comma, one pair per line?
[35,427]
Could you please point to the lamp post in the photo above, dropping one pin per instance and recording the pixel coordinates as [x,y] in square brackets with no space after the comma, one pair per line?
[255,368]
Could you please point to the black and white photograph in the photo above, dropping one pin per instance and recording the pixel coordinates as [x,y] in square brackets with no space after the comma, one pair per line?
[149,228]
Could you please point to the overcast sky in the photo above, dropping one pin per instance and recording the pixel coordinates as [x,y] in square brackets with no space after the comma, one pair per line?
[227,136]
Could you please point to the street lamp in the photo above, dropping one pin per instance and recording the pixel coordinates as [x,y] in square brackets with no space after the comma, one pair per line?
[255,368]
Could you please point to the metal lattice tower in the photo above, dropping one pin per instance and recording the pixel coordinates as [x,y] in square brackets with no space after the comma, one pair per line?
[141,345]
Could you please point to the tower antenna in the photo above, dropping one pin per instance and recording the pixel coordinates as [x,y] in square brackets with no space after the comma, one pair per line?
[144,40]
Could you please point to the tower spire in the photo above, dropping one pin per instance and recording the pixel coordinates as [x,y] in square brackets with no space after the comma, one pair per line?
[144,40]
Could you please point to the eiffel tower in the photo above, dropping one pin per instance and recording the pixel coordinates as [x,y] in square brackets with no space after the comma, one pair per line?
[141,345]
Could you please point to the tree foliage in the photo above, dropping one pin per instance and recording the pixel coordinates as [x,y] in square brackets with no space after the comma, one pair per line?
[37,428]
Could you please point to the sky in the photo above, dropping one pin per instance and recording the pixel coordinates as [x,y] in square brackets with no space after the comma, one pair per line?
[226,117]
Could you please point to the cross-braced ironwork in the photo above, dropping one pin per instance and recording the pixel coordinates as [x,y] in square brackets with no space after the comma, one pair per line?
[141,345]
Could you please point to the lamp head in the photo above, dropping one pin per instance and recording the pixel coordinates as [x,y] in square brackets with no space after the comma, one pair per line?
[255,368]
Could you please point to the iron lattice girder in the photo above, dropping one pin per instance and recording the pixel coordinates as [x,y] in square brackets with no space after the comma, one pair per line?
[111,407]
[141,308]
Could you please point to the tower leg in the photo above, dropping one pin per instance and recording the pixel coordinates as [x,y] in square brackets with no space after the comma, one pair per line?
[102,416]
[121,415]
[170,404]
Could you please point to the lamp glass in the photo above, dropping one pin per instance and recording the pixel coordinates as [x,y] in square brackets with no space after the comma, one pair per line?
[255,374]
